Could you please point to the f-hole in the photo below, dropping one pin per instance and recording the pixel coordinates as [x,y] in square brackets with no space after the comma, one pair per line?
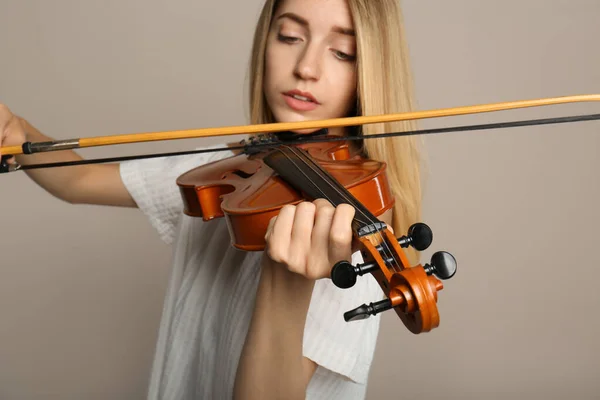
[240,173]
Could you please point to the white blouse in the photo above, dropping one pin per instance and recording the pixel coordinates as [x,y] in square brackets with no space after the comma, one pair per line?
[210,297]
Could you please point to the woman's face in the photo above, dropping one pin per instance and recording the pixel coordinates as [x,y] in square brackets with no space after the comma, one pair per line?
[310,61]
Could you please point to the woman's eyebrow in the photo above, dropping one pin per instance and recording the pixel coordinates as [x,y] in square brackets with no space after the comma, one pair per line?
[304,22]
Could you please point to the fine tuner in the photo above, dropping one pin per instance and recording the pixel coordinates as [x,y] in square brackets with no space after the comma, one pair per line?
[443,265]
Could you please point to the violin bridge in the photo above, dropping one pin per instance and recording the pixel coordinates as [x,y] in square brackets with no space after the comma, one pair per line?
[255,143]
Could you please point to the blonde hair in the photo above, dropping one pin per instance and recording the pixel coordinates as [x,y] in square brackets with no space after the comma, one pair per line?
[384,85]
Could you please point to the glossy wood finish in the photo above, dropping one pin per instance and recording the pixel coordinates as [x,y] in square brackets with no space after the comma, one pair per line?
[412,292]
[248,193]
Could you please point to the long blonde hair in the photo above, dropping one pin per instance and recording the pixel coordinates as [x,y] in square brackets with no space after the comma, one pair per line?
[385,85]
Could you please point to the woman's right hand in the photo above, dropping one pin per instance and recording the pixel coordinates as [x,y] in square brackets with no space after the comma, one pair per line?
[99,184]
[12,132]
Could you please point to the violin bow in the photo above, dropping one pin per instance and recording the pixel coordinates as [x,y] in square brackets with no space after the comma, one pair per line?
[68,144]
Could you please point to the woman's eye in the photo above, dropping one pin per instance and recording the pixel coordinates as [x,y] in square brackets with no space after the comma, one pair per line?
[343,56]
[286,39]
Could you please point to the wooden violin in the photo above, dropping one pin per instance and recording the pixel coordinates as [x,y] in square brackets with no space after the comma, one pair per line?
[250,188]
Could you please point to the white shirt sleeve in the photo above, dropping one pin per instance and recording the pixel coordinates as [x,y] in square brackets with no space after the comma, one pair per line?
[346,348]
[152,184]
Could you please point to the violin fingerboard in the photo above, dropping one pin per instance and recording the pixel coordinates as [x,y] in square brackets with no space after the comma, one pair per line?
[297,168]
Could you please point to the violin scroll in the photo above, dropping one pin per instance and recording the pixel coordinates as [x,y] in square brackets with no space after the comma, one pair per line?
[344,274]
[410,291]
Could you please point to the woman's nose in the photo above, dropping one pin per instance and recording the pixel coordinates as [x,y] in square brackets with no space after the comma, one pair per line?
[308,66]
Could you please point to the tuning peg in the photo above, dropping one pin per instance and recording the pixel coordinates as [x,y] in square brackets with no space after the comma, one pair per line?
[344,274]
[419,236]
[443,265]
[365,310]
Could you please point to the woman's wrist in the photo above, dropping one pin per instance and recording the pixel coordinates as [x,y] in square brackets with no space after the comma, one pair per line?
[284,286]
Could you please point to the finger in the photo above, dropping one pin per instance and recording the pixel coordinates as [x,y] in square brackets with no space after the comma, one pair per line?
[323,219]
[281,230]
[270,228]
[302,228]
[6,117]
[318,263]
[340,234]
[304,220]
[12,127]
[5,112]
[282,227]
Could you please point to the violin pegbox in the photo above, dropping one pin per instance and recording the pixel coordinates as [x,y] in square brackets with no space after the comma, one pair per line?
[410,291]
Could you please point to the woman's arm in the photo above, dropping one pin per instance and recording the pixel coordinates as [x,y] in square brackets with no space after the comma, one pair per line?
[272,365]
[303,243]
[89,184]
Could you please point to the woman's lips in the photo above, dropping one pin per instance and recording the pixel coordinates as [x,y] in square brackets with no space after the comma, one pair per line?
[299,104]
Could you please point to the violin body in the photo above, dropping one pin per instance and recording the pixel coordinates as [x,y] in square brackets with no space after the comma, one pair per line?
[248,193]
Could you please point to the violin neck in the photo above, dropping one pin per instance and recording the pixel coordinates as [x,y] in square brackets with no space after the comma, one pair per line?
[303,173]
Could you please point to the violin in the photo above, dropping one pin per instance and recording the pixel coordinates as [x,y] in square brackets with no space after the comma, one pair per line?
[250,188]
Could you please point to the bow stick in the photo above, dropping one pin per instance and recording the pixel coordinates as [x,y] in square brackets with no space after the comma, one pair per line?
[31,148]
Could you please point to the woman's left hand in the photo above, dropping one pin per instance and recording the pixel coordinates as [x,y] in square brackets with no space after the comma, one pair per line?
[309,238]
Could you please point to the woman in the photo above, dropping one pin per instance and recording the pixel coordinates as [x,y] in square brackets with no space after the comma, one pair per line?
[269,325]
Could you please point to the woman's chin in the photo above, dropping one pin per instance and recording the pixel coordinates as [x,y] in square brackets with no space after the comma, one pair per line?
[294,118]
[305,131]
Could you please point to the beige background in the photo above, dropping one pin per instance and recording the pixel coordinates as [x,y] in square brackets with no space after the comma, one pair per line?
[81,288]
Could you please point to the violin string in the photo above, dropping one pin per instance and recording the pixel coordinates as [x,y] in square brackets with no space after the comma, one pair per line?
[310,163]
[387,252]
[341,193]
[293,150]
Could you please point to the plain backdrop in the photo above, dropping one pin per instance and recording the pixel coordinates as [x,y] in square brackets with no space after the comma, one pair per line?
[81,287]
